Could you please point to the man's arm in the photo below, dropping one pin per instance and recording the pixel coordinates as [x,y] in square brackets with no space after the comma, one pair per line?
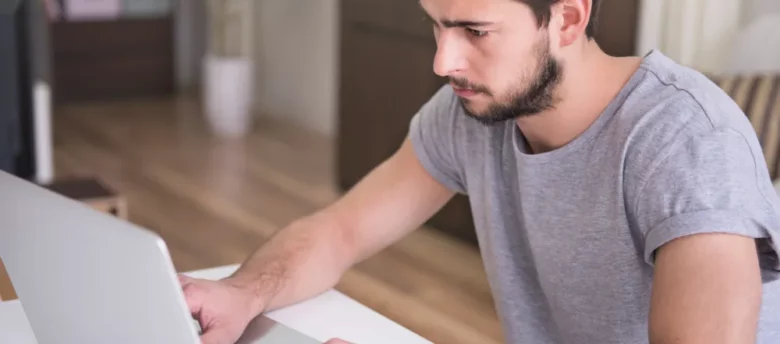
[310,255]
[706,289]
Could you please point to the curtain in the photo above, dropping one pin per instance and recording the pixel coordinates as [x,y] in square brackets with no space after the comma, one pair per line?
[696,33]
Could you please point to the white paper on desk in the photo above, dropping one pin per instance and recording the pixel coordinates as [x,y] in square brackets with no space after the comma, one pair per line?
[76,10]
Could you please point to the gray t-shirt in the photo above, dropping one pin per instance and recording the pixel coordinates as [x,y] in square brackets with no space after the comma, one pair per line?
[568,236]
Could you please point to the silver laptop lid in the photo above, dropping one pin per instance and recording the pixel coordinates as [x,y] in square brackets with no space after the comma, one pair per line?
[84,276]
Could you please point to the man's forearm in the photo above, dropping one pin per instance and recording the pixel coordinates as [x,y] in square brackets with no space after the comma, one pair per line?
[300,261]
[312,254]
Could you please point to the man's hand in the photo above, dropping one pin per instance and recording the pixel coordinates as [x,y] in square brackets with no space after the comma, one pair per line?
[706,289]
[222,309]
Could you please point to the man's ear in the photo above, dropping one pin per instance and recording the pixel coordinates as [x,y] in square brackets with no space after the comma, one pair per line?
[571,20]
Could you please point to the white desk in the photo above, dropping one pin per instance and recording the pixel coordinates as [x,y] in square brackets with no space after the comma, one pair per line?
[327,316]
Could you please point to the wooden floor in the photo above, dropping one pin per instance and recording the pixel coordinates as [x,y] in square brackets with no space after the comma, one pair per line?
[214,201]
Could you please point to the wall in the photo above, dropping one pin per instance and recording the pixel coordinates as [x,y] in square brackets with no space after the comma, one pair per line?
[296,51]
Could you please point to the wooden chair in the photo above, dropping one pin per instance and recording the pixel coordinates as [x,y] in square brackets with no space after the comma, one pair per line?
[93,193]
[6,289]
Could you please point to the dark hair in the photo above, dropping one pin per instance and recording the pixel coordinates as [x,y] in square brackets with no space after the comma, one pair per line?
[541,9]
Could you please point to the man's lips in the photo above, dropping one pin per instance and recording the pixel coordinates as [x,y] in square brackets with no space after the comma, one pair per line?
[464,92]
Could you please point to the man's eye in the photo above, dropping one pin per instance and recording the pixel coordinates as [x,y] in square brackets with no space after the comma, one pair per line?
[476,33]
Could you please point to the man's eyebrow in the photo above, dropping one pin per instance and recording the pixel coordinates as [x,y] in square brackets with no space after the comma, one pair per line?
[463,23]
[450,23]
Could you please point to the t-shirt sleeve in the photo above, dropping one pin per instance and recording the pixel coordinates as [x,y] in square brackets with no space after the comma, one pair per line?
[433,132]
[712,183]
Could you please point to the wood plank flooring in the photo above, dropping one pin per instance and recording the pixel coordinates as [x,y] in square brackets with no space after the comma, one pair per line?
[214,201]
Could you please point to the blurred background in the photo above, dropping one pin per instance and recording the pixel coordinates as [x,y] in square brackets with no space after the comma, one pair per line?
[216,123]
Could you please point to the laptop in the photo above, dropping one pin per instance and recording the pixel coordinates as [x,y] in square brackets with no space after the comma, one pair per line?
[84,276]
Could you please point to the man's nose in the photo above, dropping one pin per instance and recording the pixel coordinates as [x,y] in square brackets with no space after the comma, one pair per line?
[449,58]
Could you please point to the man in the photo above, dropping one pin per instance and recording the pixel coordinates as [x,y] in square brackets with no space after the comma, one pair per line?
[616,200]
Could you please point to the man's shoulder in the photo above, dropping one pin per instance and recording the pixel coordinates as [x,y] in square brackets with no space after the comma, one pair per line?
[676,109]
[675,104]
[670,93]
[683,89]
[438,135]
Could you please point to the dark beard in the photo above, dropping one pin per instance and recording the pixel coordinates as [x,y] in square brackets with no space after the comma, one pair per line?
[539,96]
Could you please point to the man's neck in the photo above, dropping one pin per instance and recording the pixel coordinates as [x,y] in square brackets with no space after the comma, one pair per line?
[591,81]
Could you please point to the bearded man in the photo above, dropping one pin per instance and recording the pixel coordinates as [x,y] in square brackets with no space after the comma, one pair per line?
[616,200]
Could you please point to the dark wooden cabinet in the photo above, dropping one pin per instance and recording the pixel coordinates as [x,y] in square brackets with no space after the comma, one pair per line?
[110,59]
[386,74]
[387,52]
